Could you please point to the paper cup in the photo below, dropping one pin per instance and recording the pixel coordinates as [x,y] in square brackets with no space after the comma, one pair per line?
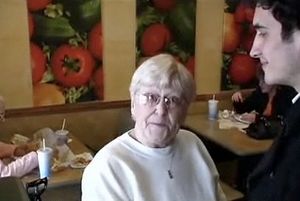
[213,109]
[62,136]
[45,161]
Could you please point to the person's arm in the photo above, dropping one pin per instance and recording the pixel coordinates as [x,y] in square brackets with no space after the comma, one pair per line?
[23,149]
[250,117]
[7,150]
[237,97]
[20,166]
[250,103]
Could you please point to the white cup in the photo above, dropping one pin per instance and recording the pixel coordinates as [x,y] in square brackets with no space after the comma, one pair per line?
[61,137]
[45,161]
[213,109]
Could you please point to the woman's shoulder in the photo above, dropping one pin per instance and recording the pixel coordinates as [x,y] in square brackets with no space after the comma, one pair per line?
[186,133]
[113,147]
[189,136]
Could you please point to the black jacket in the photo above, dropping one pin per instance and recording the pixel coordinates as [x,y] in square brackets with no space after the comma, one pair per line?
[277,177]
[258,101]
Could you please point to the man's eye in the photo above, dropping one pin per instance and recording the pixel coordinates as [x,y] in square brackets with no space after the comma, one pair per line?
[262,34]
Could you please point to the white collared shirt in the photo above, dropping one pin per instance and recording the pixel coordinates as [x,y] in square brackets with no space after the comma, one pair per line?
[296,98]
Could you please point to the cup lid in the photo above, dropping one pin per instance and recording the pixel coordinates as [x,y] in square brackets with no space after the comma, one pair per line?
[62,132]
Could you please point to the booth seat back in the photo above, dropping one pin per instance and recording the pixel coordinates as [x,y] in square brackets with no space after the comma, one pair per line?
[94,127]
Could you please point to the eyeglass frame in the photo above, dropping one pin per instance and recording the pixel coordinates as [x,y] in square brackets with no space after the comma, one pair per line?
[169,101]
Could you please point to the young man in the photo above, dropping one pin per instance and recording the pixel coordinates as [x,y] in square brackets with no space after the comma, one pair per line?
[277,45]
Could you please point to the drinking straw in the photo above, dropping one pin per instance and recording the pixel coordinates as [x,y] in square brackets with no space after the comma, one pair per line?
[214,96]
[44,144]
[63,125]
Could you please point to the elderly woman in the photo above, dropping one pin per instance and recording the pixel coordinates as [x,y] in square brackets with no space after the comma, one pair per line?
[26,157]
[156,160]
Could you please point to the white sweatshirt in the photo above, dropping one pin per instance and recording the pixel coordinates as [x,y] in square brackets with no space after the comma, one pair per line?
[127,170]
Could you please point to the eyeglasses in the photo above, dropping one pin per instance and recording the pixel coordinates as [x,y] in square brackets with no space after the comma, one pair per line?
[152,100]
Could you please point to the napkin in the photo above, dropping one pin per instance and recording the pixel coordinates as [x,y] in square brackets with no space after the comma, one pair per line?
[231,123]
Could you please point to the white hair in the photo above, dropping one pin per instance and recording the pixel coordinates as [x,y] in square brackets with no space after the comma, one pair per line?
[164,71]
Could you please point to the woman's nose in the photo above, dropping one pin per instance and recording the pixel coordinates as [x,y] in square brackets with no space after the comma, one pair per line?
[161,108]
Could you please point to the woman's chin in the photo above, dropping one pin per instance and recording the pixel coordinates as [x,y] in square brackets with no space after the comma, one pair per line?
[157,130]
[160,140]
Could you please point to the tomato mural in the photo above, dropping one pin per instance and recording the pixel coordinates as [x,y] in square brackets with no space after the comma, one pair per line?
[68,38]
[38,63]
[72,66]
[166,26]
[66,51]
[239,69]
[35,5]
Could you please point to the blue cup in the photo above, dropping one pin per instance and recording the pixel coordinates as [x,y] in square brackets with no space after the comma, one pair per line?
[213,109]
[45,161]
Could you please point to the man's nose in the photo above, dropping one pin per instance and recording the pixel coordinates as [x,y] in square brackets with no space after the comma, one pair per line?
[255,51]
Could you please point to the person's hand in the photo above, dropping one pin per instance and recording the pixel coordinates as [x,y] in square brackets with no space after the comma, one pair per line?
[33,146]
[250,117]
[23,149]
[237,97]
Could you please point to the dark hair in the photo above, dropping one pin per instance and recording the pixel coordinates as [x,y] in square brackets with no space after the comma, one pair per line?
[287,12]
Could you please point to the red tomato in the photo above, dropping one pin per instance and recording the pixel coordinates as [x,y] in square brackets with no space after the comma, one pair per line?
[155,39]
[72,66]
[239,14]
[232,31]
[30,24]
[190,65]
[249,14]
[243,13]
[247,42]
[242,69]
[35,5]
[38,63]
[164,5]
[98,81]
[95,41]
[248,38]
